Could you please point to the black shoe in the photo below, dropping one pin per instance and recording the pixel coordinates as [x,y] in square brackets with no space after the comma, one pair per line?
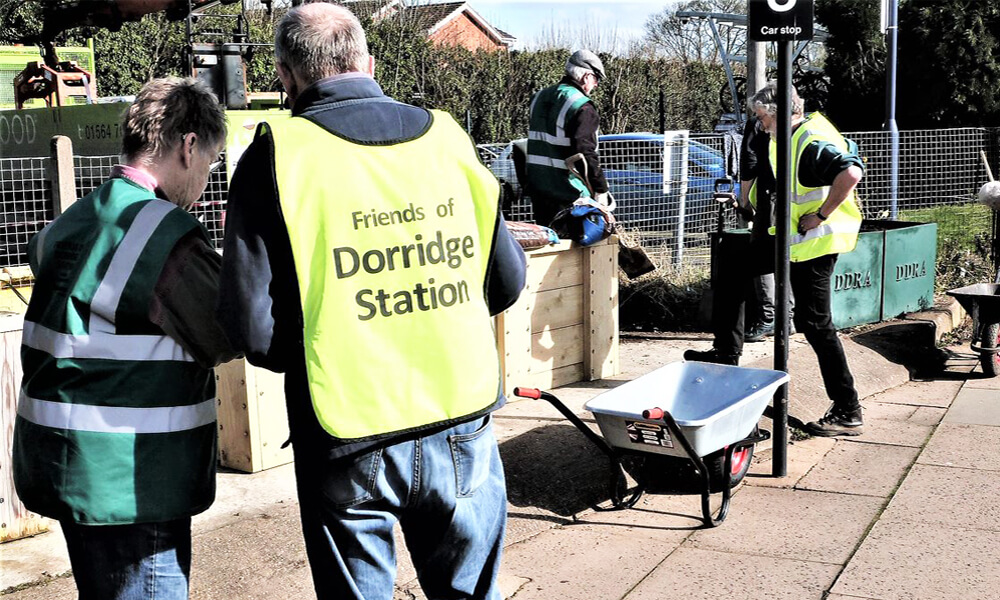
[838,422]
[759,331]
[712,356]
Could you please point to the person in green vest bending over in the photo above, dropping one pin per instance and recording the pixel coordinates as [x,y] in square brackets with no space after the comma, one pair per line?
[563,122]
[365,252]
[115,434]
[824,222]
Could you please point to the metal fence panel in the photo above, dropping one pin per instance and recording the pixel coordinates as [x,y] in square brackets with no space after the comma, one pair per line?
[940,172]
[25,206]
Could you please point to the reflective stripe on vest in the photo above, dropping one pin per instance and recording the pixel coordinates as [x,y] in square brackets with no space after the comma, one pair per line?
[549,146]
[115,421]
[839,232]
[391,245]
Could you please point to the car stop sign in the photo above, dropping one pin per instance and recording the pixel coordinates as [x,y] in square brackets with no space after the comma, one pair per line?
[780,20]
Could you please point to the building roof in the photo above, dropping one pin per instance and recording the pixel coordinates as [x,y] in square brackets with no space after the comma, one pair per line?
[429,17]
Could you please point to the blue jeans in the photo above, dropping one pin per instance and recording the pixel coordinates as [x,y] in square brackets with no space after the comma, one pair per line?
[446,490]
[146,561]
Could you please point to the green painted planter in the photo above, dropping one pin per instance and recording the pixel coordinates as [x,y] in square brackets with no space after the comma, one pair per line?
[856,284]
[910,256]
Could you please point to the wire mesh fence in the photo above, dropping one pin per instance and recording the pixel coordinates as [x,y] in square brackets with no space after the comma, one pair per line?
[26,200]
[25,206]
[670,211]
[940,172]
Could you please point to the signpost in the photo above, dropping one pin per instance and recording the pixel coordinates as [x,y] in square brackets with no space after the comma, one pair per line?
[782,21]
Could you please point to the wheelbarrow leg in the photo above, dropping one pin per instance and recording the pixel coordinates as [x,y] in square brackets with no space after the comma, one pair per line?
[619,485]
[699,464]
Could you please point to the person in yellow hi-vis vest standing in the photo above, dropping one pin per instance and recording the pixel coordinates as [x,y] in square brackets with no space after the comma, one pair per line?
[825,220]
[364,256]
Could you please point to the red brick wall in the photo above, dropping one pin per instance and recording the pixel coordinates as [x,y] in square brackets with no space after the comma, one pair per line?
[463,31]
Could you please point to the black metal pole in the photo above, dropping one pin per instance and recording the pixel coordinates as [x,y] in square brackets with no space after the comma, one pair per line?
[663,115]
[784,189]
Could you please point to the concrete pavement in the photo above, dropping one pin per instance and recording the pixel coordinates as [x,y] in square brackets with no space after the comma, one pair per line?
[908,510]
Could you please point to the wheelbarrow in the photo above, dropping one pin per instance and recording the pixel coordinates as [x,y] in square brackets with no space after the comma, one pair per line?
[703,412]
[982,302]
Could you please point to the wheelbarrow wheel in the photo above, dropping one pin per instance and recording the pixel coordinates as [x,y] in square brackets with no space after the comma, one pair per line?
[716,464]
[988,356]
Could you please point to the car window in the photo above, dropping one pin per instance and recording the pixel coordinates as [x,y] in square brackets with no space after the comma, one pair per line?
[631,155]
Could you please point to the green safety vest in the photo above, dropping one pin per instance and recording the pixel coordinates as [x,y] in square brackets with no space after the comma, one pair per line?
[839,232]
[115,420]
[391,245]
[548,144]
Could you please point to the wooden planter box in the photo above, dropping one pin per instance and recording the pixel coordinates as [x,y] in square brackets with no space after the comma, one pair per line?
[564,327]
[15,520]
[253,422]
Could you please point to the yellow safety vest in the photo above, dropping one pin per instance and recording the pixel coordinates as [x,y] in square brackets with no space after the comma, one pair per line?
[391,244]
[839,232]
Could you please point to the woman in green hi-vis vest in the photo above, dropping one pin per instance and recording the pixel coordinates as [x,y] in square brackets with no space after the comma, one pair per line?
[116,430]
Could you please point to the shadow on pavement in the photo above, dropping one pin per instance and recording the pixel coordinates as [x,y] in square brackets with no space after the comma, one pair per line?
[555,468]
[908,343]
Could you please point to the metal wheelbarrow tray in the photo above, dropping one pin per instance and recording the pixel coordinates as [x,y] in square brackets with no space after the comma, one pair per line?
[685,409]
[982,302]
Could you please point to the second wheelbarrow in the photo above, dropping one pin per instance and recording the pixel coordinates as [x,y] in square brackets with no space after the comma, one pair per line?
[704,412]
[982,302]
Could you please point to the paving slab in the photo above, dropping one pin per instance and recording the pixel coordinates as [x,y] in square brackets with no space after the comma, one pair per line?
[920,393]
[960,445]
[918,561]
[975,407]
[666,515]
[948,496]
[883,427]
[695,574]
[978,381]
[791,524]
[802,456]
[927,415]
[583,562]
[860,468]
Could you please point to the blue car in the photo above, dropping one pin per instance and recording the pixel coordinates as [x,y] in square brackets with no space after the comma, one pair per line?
[633,166]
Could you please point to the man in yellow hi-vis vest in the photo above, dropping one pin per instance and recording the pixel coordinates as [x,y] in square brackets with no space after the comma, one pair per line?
[824,221]
[365,254]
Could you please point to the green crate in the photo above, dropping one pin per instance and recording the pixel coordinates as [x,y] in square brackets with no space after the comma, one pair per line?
[856,284]
[908,280]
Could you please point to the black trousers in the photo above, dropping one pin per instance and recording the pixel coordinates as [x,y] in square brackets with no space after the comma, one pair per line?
[810,282]
[738,260]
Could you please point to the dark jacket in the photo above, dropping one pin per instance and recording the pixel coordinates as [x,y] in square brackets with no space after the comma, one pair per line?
[259,298]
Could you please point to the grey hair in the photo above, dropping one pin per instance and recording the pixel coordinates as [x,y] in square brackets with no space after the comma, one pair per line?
[164,111]
[766,99]
[576,73]
[320,40]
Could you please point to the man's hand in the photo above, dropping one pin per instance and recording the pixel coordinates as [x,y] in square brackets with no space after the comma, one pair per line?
[809,221]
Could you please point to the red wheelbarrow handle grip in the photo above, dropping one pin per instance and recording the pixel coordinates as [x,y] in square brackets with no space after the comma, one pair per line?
[653,413]
[533,393]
